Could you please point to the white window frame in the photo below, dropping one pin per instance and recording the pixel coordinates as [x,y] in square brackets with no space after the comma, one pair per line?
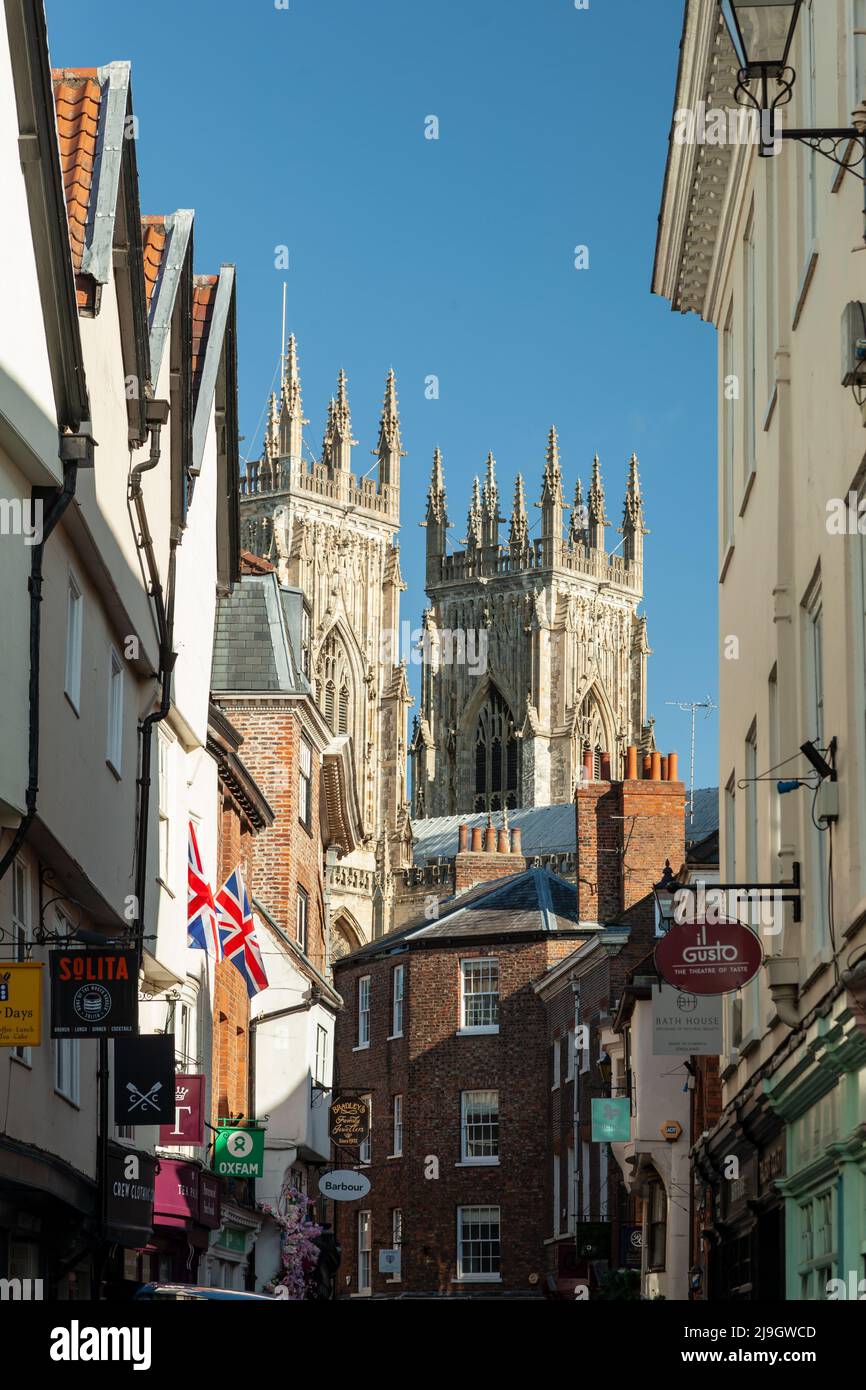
[302,916]
[67,1069]
[305,784]
[569,1060]
[855,18]
[365,1252]
[364,995]
[555,1059]
[483,1160]
[365,1149]
[485,1277]
[74,636]
[114,722]
[571,1183]
[321,1073]
[729,429]
[397,1127]
[398,978]
[557,1195]
[467,966]
[749,393]
[815,700]
[164,752]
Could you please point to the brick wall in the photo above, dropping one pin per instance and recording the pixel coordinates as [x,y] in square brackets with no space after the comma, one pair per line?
[287,855]
[430,1066]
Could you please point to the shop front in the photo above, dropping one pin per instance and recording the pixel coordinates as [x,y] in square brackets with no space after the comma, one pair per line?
[129,1200]
[48,1224]
[229,1261]
[820,1092]
[186,1210]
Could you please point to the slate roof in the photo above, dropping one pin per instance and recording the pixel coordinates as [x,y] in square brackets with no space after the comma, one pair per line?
[706,815]
[545,830]
[534,903]
[255,641]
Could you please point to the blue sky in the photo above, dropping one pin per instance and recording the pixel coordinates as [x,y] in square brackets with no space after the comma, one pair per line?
[454,257]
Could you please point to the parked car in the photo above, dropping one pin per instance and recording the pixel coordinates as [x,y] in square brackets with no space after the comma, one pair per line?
[194,1293]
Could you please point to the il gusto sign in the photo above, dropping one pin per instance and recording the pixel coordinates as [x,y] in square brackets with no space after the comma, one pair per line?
[705,958]
[345,1185]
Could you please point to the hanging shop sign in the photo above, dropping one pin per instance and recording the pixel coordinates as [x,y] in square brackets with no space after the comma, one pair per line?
[593,1240]
[177,1192]
[20,1003]
[209,1201]
[709,958]
[630,1246]
[611,1120]
[94,993]
[344,1185]
[239,1153]
[129,1196]
[144,1079]
[187,1123]
[348,1121]
[684,1025]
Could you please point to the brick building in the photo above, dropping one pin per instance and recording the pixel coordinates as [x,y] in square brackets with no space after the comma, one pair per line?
[625,831]
[442,1030]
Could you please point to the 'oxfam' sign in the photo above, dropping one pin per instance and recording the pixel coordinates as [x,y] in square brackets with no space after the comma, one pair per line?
[240,1153]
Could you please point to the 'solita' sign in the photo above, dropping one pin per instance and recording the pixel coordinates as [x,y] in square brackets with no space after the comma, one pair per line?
[709,958]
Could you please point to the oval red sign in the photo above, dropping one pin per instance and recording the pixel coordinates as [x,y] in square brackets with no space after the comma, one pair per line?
[709,958]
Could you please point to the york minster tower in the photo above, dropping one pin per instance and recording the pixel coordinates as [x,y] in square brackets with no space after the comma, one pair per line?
[534,660]
[332,534]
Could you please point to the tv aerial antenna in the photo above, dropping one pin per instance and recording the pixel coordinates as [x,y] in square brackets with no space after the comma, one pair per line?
[691,707]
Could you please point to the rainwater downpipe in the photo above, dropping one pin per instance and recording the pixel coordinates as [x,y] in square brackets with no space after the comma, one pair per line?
[76,450]
[163,602]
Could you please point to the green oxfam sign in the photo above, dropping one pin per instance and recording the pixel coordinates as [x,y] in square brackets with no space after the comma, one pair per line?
[239,1153]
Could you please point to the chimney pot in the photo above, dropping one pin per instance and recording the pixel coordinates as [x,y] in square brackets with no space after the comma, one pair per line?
[476,839]
[631,763]
[503,842]
[673,767]
[517,840]
[605,767]
[463,838]
[656,766]
[664,767]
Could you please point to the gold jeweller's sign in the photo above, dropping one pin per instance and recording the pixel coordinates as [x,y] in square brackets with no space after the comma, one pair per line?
[20,1003]
[348,1121]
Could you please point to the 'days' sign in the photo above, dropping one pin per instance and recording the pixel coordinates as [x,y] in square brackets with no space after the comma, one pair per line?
[94,993]
[706,958]
[20,1003]
[239,1153]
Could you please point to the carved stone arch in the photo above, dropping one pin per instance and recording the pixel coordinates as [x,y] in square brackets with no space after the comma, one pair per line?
[593,726]
[346,935]
[489,749]
[339,682]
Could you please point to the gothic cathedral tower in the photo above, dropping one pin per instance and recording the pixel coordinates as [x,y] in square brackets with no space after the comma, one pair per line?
[332,535]
[534,652]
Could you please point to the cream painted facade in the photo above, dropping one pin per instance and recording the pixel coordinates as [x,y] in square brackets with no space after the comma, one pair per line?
[770,252]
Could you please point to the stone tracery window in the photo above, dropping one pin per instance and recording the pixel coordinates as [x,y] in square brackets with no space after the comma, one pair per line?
[334,685]
[496,760]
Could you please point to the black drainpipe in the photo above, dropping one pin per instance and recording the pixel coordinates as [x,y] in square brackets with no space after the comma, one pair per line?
[74,450]
[157,414]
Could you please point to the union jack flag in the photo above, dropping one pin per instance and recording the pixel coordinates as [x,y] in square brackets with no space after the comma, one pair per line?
[238,934]
[201,918]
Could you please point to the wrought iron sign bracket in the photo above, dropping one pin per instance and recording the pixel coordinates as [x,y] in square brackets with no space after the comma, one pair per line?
[788,892]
